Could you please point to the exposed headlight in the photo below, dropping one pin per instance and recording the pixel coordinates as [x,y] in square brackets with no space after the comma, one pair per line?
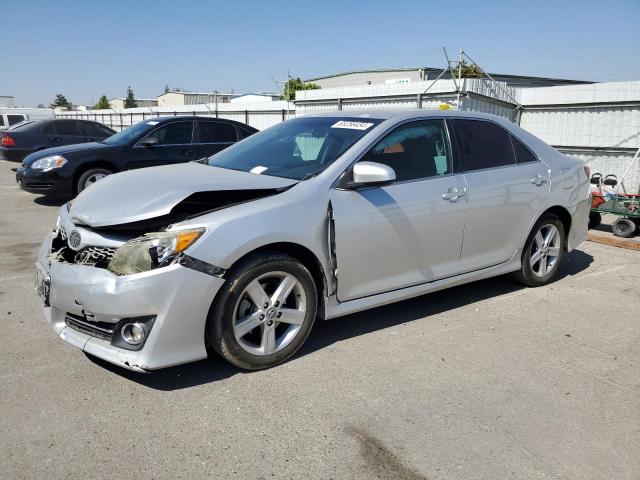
[49,163]
[152,251]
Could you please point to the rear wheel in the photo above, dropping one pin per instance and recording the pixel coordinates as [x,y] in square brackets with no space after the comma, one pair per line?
[90,177]
[264,312]
[623,227]
[543,252]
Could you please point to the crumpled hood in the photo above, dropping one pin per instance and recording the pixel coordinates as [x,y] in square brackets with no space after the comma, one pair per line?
[67,150]
[147,193]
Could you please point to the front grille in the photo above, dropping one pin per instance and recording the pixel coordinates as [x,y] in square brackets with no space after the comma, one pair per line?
[102,330]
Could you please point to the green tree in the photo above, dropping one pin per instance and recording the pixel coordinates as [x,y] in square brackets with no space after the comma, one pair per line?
[103,103]
[294,84]
[166,88]
[40,105]
[130,101]
[61,102]
[469,70]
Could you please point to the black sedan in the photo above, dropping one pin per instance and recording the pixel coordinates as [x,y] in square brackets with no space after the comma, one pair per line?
[30,136]
[66,171]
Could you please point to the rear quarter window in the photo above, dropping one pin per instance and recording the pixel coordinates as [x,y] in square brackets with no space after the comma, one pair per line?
[523,154]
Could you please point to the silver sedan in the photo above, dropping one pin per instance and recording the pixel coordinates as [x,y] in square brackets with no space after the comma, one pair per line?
[317,217]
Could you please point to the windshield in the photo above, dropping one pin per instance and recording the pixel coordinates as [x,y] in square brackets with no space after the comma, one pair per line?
[129,134]
[297,149]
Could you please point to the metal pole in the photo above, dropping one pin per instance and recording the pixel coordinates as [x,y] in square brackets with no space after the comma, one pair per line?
[459,79]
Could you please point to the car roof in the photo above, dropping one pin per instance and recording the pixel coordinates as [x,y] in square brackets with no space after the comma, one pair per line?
[167,118]
[387,114]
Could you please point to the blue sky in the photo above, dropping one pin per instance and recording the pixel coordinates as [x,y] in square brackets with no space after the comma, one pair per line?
[84,49]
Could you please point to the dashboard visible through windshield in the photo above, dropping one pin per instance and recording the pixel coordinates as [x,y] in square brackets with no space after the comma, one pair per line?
[296,149]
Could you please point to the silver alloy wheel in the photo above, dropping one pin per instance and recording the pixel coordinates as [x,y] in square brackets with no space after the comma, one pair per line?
[545,250]
[269,313]
[93,179]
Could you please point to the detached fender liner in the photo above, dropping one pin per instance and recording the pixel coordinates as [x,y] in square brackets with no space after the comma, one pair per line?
[201,266]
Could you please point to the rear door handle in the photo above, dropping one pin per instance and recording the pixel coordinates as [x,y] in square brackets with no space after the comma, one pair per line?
[453,194]
[538,180]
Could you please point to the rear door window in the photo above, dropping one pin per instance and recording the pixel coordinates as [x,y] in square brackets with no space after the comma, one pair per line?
[483,144]
[67,127]
[13,119]
[217,132]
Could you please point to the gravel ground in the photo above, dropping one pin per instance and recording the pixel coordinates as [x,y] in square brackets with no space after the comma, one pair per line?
[487,380]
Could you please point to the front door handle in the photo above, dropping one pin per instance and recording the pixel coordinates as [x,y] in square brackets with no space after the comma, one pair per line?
[538,180]
[453,194]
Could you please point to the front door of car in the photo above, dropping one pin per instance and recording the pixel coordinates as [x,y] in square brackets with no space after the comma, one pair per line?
[507,188]
[406,233]
[167,144]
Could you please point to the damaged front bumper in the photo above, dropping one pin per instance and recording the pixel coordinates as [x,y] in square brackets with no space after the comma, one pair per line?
[176,297]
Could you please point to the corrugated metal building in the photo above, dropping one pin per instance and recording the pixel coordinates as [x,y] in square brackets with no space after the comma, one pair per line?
[394,76]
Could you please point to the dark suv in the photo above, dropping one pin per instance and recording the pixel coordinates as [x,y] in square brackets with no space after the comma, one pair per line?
[29,136]
[66,171]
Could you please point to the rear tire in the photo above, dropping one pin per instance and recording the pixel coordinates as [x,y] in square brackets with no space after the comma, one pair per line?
[623,227]
[543,252]
[90,177]
[250,324]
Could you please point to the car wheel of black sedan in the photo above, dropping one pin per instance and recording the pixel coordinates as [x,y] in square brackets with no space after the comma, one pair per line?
[90,177]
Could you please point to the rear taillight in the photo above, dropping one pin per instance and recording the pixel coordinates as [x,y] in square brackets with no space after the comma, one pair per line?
[587,171]
[7,140]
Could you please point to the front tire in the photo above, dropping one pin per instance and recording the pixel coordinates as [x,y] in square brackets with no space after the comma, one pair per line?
[543,252]
[264,312]
[90,177]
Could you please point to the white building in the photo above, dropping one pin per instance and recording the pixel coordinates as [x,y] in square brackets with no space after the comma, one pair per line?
[118,103]
[7,101]
[256,97]
[170,99]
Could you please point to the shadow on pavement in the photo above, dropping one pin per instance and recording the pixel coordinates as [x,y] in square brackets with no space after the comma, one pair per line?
[326,333]
[48,201]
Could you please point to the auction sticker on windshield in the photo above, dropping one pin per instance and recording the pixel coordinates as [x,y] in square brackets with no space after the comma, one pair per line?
[352,125]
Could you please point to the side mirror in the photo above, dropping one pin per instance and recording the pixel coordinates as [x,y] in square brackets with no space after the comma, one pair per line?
[149,142]
[371,174]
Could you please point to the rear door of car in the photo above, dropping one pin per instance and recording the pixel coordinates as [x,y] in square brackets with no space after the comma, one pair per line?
[173,144]
[63,132]
[214,136]
[507,188]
